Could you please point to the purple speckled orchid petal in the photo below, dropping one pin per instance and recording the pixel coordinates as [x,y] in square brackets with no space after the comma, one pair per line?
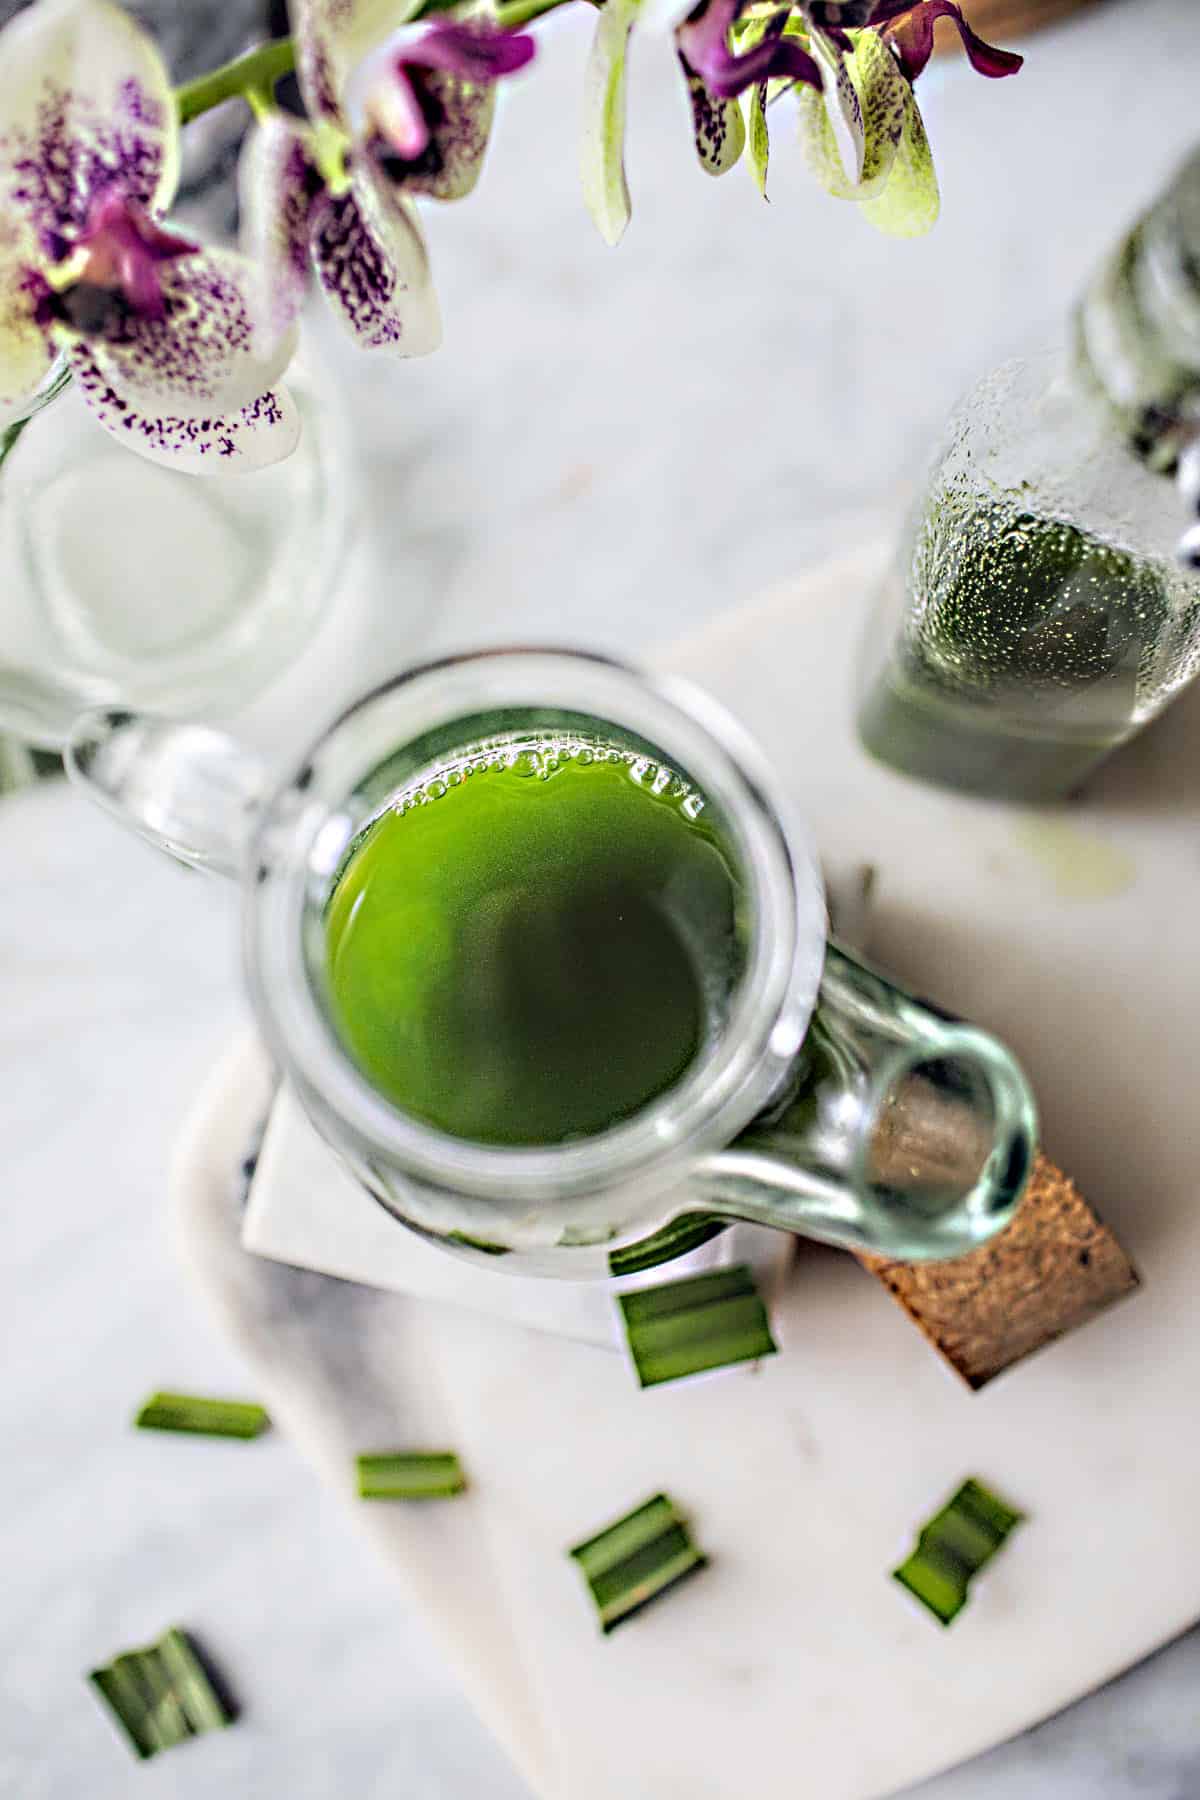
[449,165]
[209,354]
[85,106]
[474,51]
[252,437]
[332,38]
[279,191]
[703,43]
[25,351]
[123,248]
[910,29]
[425,100]
[717,124]
[372,263]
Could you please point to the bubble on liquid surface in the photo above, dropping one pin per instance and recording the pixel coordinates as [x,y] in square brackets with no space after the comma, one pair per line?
[544,759]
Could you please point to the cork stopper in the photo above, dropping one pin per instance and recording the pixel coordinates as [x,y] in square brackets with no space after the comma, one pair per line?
[1051,1270]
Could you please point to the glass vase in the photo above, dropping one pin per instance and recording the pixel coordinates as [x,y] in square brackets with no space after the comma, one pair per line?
[126,583]
[1036,616]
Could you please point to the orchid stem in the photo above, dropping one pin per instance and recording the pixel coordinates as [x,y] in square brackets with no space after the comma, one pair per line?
[259,68]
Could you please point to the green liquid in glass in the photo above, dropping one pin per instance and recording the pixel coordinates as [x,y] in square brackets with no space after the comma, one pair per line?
[531,951]
[1026,645]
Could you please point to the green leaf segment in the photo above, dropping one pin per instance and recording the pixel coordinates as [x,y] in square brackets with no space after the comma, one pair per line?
[636,1559]
[410,1475]
[207,1418]
[705,1322]
[160,1696]
[955,1545]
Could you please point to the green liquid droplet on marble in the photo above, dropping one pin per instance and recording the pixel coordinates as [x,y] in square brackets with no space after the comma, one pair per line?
[535,952]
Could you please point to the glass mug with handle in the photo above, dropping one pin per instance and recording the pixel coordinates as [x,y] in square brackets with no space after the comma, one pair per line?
[542,952]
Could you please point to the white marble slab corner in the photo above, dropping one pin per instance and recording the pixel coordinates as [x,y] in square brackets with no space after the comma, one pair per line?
[855,1433]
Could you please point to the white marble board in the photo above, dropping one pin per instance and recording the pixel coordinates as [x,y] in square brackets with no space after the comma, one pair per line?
[806,1479]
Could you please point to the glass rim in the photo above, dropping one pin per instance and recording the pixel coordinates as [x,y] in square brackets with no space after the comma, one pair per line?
[299,844]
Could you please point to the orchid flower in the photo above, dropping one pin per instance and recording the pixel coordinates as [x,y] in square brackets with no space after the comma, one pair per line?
[387,120]
[851,64]
[162,336]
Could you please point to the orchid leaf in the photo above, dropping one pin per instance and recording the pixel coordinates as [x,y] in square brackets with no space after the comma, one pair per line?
[882,94]
[605,188]
[910,203]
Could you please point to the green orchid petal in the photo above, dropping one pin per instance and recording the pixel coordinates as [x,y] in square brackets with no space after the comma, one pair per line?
[883,95]
[910,203]
[758,138]
[748,32]
[605,188]
[843,106]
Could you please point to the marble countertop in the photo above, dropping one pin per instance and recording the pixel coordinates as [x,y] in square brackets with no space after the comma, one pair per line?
[611,447]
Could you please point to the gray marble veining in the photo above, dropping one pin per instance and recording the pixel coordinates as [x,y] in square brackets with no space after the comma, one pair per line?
[609,448]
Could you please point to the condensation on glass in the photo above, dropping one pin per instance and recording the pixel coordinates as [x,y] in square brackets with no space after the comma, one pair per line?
[1036,616]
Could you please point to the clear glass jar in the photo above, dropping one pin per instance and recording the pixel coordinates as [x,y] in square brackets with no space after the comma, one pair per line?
[125,583]
[823,1100]
[1036,616]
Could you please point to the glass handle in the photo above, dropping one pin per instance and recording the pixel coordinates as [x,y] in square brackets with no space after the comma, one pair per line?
[899,1130]
[187,789]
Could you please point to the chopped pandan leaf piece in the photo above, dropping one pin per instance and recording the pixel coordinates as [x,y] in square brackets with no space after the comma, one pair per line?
[410,1475]
[704,1322]
[955,1545]
[636,1559]
[160,1696]
[191,1682]
[208,1418]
